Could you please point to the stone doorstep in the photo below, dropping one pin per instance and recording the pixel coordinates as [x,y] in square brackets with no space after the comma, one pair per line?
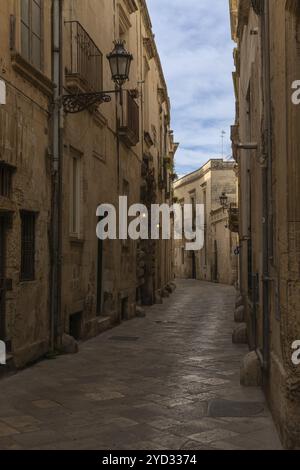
[104,324]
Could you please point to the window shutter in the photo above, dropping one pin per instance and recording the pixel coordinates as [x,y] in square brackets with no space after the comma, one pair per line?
[12,33]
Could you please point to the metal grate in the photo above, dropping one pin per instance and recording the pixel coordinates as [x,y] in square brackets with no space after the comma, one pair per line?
[234,409]
[27,245]
[233,214]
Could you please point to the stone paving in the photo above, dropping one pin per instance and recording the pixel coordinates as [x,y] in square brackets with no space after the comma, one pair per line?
[167,381]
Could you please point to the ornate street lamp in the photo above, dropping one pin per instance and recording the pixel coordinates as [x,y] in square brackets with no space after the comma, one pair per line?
[224,201]
[120,61]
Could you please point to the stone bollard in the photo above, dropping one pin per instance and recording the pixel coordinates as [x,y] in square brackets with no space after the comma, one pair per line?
[158,298]
[165,293]
[140,312]
[239,315]
[239,335]
[251,374]
[170,288]
[239,301]
[69,345]
[173,286]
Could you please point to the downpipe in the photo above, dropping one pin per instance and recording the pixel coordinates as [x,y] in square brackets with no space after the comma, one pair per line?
[266,187]
[56,171]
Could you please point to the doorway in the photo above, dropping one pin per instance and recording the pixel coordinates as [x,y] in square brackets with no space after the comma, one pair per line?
[2,277]
[215,265]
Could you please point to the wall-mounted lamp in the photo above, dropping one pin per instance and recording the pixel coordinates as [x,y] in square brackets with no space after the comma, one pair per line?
[224,201]
[120,61]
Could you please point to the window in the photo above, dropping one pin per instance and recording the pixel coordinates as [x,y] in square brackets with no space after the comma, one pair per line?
[193,204]
[75,193]
[182,219]
[146,95]
[31,31]
[27,245]
[6,172]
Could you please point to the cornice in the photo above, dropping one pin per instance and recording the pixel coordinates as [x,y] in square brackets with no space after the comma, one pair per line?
[131,6]
[243,16]
[148,44]
[150,37]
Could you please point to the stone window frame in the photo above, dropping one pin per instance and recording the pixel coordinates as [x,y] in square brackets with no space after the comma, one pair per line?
[39,78]
[32,34]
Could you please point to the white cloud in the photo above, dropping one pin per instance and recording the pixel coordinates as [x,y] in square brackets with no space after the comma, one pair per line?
[194,42]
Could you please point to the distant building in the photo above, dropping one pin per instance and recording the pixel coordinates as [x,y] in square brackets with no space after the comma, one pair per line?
[217,260]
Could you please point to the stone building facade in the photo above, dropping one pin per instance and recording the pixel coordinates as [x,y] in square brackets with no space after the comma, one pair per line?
[266,147]
[216,262]
[81,285]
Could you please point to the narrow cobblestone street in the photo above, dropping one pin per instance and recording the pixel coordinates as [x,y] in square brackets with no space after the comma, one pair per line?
[167,381]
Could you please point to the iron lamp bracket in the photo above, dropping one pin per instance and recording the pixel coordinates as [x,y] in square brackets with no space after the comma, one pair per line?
[77,103]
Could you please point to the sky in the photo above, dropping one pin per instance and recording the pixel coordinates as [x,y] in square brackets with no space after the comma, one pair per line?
[194,42]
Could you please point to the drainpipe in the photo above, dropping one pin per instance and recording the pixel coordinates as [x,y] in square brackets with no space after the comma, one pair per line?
[56,172]
[266,179]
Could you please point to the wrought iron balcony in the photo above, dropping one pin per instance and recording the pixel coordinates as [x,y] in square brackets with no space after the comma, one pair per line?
[84,69]
[233,213]
[6,172]
[129,127]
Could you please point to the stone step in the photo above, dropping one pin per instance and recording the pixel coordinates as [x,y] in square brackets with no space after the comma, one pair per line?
[104,324]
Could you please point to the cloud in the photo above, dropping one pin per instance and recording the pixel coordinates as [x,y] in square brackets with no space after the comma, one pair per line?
[194,42]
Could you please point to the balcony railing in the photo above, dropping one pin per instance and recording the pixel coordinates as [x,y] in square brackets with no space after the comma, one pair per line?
[233,213]
[129,129]
[84,70]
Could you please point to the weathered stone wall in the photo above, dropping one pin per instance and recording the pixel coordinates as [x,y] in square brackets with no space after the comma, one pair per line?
[281,376]
[24,144]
